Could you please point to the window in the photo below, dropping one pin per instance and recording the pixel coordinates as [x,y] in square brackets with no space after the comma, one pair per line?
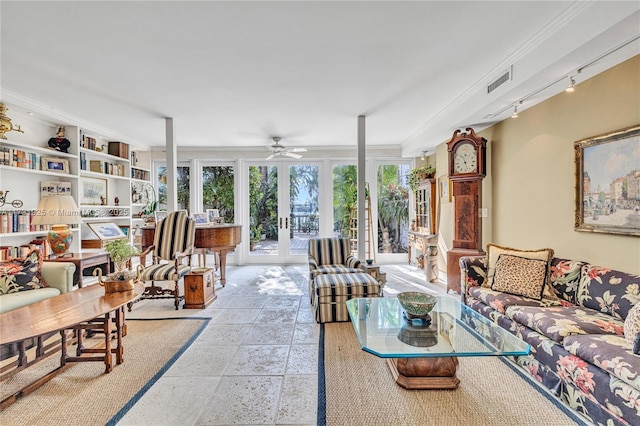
[183,179]
[218,190]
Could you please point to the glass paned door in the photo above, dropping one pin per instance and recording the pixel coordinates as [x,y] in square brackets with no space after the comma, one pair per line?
[304,215]
[393,208]
[283,211]
[263,210]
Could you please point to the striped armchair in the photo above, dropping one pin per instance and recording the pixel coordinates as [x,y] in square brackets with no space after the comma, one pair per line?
[330,256]
[173,242]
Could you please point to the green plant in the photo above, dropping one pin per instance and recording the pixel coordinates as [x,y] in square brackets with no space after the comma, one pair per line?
[120,251]
[420,173]
[150,208]
[255,231]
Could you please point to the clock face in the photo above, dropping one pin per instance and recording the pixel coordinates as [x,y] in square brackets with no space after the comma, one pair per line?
[465,159]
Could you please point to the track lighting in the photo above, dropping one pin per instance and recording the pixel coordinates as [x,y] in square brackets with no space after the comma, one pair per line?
[571,87]
[515,112]
[423,155]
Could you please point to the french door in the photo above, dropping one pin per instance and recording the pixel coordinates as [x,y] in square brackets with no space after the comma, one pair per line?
[283,210]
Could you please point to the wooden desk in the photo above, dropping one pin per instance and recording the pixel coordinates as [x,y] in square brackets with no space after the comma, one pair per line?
[82,309]
[218,238]
[84,260]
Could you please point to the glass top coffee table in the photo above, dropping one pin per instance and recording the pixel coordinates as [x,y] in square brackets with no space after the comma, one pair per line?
[424,355]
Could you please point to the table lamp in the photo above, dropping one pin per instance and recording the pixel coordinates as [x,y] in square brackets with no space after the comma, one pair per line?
[59,211]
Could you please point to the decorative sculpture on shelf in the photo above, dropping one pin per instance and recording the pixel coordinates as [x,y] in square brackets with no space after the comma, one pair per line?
[60,143]
[5,123]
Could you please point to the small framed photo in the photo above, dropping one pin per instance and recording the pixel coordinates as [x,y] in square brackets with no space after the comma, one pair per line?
[55,188]
[212,214]
[200,218]
[51,164]
[93,191]
[107,230]
[160,215]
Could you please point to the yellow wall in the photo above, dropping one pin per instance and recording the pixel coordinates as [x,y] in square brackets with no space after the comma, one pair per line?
[530,191]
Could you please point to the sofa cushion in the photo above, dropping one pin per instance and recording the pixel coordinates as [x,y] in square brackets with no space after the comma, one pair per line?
[334,269]
[565,278]
[11,301]
[607,352]
[520,276]
[609,291]
[632,329]
[494,251]
[557,322]
[21,274]
[500,301]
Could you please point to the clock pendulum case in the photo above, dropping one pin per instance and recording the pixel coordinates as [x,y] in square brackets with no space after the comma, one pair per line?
[467,162]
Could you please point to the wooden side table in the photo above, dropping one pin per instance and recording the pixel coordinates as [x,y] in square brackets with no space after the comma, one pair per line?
[374,271]
[82,261]
[199,288]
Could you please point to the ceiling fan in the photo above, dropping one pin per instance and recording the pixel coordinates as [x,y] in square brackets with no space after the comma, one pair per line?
[279,150]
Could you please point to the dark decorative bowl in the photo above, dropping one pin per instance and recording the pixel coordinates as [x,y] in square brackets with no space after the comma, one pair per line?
[416,304]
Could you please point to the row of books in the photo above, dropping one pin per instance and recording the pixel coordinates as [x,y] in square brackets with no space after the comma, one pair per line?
[105,167]
[139,174]
[88,142]
[19,221]
[18,158]
[11,252]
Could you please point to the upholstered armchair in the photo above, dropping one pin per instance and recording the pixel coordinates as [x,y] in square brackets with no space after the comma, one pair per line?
[173,243]
[330,256]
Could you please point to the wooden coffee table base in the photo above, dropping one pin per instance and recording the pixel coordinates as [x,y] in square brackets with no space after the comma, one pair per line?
[425,373]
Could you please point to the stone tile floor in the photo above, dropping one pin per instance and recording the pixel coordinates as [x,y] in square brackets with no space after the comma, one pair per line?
[257,360]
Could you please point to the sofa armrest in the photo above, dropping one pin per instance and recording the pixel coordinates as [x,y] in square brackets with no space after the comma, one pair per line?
[473,272]
[352,262]
[59,275]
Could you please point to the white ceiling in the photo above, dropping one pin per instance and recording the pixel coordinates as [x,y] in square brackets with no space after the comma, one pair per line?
[234,74]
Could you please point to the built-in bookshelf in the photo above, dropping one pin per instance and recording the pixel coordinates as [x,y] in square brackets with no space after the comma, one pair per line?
[93,162]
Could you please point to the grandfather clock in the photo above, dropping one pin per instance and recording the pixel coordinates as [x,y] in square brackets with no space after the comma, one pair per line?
[467,168]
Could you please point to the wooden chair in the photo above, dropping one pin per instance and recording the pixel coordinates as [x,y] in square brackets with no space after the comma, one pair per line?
[173,243]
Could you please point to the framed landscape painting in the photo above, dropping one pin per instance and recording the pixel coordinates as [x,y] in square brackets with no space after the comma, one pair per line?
[608,183]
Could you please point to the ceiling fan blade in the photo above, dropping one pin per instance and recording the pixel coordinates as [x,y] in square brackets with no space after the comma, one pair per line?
[298,150]
[292,155]
[270,157]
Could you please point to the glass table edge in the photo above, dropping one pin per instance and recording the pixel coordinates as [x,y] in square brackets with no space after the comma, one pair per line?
[524,352]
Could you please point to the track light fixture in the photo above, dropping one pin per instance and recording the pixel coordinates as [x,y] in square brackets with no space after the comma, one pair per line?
[571,87]
[422,157]
[515,112]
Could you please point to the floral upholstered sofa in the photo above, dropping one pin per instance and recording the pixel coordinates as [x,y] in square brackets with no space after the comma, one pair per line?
[576,329]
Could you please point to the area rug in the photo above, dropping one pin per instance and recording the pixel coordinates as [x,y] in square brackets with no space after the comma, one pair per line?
[357,388]
[83,395]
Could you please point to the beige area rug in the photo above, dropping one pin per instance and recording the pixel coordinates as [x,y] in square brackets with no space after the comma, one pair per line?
[83,394]
[360,390]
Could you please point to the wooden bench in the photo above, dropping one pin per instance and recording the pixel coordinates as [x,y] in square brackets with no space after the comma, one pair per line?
[87,308]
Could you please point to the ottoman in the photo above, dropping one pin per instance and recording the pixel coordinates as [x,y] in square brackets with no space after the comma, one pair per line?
[333,290]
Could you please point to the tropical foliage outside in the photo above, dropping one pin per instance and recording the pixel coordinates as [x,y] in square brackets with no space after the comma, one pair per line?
[219,187]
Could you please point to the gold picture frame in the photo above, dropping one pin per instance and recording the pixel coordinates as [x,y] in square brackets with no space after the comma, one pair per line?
[444,184]
[607,173]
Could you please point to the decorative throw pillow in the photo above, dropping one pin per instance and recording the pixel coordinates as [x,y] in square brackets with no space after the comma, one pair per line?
[632,329]
[21,274]
[520,276]
[494,251]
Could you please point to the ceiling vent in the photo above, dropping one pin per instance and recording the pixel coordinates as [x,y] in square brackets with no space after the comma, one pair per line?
[508,75]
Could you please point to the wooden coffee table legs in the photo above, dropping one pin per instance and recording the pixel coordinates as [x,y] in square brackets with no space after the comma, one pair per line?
[425,373]
[103,325]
